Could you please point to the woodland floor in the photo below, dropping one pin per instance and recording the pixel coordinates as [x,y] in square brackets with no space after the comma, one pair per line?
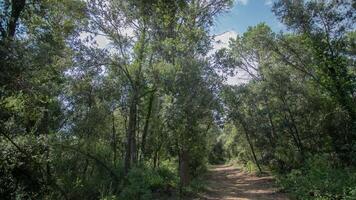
[226,182]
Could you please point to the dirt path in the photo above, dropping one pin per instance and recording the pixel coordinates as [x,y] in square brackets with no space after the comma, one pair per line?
[229,183]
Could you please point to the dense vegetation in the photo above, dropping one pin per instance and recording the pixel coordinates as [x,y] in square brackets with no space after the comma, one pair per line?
[142,117]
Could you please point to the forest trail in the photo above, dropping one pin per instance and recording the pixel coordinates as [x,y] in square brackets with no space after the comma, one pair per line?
[226,182]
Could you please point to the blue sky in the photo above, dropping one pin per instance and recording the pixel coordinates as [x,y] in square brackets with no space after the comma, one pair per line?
[235,22]
[246,13]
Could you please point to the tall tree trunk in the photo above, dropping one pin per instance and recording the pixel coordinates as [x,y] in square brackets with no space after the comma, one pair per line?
[114,142]
[17,7]
[145,129]
[131,134]
[131,149]
[293,127]
[291,132]
[155,158]
[250,144]
[184,168]
[270,120]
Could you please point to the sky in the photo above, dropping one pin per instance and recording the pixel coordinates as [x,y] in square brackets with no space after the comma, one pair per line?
[243,14]
[236,21]
[246,13]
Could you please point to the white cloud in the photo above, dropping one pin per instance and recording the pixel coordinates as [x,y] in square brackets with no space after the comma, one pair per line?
[100,41]
[240,78]
[222,40]
[268,2]
[242,2]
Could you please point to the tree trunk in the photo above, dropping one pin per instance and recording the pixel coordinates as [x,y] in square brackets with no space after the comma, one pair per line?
[251,145]
[270,120]
[293,127]
[184,168]
[145,129]
[155,158]
[17,7]
[114,142]
[130,136]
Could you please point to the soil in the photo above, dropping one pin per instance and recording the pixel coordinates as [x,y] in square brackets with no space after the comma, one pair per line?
[226,182]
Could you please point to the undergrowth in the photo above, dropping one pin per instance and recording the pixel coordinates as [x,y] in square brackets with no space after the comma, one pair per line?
[319,179]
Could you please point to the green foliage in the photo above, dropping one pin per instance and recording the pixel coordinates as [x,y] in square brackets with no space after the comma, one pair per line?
[299,102]
[318,179]
[122,122]
[110,197]
[21,173]
[217,154]
[251,167]
[197,185]
[143,182]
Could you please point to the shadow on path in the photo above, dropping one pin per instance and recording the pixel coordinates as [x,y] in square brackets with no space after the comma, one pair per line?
[229,183]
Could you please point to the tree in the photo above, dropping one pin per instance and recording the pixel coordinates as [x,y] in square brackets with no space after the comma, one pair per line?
[323,28]
[34,54]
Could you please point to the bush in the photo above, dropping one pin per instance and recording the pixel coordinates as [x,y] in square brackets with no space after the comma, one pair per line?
[142,182]
[197,185]
[21,172]
[318,179]
[251,167]
[217,154]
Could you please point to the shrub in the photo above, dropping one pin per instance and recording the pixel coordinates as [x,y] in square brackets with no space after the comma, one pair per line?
[318,179]
[142,182]
[217,154]
[251,167]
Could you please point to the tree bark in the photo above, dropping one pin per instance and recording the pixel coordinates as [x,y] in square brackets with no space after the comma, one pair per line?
[293,127]
[145,129]
[131,134]
[131,149]
[184,168]
[17,7]
[273,129]
[114,142]
[250,144]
